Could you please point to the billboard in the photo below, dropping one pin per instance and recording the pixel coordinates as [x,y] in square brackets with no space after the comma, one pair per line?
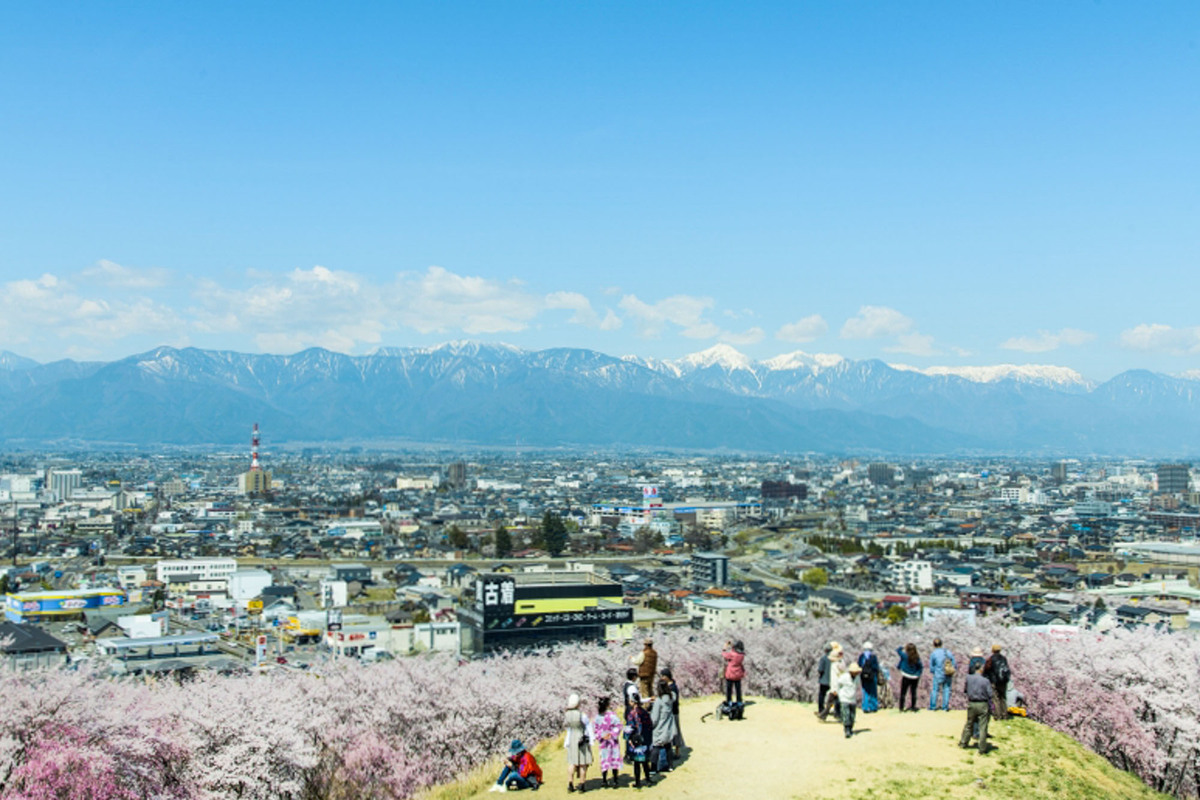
[562,619]
[18,607]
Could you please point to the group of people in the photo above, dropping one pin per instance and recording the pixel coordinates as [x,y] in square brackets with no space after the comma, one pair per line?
[652,737]
[649,731]
[987,685]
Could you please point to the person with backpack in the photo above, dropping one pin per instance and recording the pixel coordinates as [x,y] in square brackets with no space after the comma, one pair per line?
[869,665]
[639,733]
[521,770]
[942,667]
[735,670]
[910,667]
[997,671]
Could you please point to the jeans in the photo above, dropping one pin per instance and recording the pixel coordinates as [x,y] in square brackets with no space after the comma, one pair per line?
[977,712]
[909,686]
[729,687]
[848,710]
[510,776]
[943,683]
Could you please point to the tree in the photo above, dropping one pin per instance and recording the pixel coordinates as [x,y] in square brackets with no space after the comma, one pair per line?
[815,578]
[504,544]
[4,587]
[896,615]
[553,533]
[645,540]
[457,538]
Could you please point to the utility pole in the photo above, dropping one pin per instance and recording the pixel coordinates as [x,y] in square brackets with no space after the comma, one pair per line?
[14,532]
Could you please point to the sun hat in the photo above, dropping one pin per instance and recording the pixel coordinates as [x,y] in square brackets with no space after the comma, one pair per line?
[854,669]
[516,747]
[867,646]
[977,652]
[572,701]
[996,648]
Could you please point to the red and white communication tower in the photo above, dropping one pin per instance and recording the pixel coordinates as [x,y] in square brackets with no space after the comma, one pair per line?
[254,467]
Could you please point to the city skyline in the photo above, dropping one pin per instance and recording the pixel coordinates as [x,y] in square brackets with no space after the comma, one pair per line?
[932,186]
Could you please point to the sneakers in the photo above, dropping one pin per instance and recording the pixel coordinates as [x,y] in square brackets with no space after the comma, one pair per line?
[498,787]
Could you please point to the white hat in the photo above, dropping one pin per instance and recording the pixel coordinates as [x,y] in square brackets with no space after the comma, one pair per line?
[867,646]
[573,701]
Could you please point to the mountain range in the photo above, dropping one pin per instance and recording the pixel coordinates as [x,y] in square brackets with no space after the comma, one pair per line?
[468,393]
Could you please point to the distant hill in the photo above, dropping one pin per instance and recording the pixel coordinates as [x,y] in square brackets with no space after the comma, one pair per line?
[486,394]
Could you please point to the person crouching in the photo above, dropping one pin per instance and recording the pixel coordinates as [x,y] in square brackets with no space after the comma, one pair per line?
[521,770]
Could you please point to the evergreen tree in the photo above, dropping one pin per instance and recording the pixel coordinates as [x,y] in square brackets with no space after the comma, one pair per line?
[504,543]
[554,533]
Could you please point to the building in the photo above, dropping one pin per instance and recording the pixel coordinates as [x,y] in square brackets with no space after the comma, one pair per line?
[64,482]
[247,584]
[131,577]
[456,475]
[723,613]
[782,491]
[1058,472]
[38,606]
[881,474]
[204,569]
[29,647]
[255,481]
[914,576]
[710,569]
[986,600]
[1173,478]
[526,610]
[368,640]
[350,572]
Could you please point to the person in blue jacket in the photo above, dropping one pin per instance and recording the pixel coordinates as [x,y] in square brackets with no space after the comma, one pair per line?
[938,660]
[910,667]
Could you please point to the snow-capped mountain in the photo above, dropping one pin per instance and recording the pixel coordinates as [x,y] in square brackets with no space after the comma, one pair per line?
[468,392]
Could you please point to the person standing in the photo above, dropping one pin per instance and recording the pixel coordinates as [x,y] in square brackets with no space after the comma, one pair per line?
[979,692]
[639,732]
[735,669]
[836,667]
[847,689]
[578,745]
[942,667]
[823,669]
[630,688]
[868,664]
[664,730]
[975,663]
[608,736]
[673,689]
[997,671]
[910,667]
[647,669]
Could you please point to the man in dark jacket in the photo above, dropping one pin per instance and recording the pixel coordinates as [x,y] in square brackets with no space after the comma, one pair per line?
[996,670]
[823,670]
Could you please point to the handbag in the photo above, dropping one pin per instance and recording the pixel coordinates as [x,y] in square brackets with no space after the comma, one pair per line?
[948,669]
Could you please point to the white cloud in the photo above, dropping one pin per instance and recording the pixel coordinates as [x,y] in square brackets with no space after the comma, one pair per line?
[685,312]
[611,321]
[873,322]
[1045,341]
[803,330]
[747,337]
[440,300]
[33,310]
[574,301]
[110,273]
[1157,337]
[916,344]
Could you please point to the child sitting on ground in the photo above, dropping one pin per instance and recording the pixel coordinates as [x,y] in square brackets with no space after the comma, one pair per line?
[520,772]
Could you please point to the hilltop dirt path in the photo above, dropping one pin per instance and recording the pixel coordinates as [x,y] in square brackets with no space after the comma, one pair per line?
[780,750]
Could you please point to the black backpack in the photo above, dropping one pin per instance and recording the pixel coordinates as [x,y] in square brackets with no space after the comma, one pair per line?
[1000,668]
[870,669]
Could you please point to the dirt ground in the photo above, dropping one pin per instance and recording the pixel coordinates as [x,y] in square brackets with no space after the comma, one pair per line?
[780,750]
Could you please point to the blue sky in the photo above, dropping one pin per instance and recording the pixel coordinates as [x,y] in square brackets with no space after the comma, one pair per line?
[927,183]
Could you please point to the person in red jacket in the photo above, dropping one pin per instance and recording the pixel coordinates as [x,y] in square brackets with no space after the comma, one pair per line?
[521,771]
[735,657]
